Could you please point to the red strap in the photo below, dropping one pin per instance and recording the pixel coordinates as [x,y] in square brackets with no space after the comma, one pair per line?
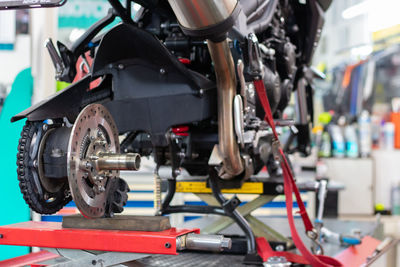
[265,251]
[290,188]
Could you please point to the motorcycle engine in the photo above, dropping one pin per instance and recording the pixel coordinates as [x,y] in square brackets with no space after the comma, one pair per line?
[279,59]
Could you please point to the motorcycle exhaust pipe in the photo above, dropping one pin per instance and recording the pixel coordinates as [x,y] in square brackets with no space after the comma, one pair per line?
[208,19]
[226,84]
[212,19]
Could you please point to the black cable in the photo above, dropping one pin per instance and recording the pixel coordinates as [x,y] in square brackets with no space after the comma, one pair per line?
[194,209]
[170,194]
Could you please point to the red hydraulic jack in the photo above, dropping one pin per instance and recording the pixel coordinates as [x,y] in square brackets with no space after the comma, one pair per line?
[52,235]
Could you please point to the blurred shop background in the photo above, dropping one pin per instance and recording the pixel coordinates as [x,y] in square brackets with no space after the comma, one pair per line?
[356,131]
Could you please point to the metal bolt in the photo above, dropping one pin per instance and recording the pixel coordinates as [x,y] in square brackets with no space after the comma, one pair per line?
[88,165]
[45,127]
[167,245]
[121,66]
[162,71]
[279,188]
[177,172]
[99,133]
[279,248]
[201,92]
[35,164]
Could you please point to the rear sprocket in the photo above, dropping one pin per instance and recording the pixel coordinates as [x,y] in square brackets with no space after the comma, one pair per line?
[36,189]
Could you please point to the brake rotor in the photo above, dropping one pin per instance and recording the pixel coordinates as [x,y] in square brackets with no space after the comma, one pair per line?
[94,132]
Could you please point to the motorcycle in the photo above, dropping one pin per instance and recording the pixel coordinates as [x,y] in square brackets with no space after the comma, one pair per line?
[176,81]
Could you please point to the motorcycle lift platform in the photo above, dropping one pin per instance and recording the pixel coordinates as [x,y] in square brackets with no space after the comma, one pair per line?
[75,247]
[81,246]
[65,247]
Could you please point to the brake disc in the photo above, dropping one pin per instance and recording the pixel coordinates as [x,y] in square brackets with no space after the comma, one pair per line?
[93,133]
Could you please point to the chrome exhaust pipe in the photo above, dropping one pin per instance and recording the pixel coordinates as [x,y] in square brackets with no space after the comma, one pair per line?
[208,19]
[232,163]
[211,20]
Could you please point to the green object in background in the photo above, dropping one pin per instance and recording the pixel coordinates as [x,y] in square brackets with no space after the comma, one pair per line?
[379,207]
[13,208]
[325,118]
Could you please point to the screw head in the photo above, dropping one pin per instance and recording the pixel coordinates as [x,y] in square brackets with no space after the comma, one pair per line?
[162,71]
[45,127]
[279,188]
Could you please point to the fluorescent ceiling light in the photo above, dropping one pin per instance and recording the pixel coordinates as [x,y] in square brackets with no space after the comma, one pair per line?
[357,10]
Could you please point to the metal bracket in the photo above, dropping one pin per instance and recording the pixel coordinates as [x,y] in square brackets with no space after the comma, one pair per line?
[231,204]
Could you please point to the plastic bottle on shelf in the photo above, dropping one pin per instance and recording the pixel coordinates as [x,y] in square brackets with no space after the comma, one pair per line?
[388,135]
[364,130]
[325,146]
[338,145]
[350,135]
[375,131]
[395,199]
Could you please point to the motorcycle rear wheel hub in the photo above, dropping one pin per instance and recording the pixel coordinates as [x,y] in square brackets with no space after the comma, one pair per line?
[94,132]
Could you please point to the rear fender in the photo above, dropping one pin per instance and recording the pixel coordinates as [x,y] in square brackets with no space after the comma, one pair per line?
[66,103]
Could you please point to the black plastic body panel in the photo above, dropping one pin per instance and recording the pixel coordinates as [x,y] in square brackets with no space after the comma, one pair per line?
[150,90]
[146,100]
